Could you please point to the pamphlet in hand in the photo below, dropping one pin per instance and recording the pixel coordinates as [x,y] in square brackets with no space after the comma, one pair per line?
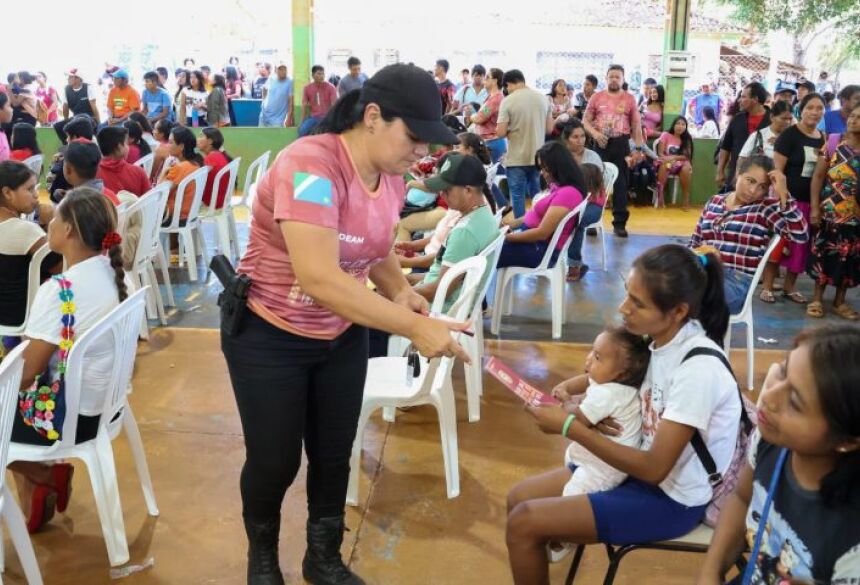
[528,393]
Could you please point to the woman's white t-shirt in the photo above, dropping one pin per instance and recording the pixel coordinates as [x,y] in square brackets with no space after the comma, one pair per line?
[194,99]
[95,295]
[768,139]
[709,130]
[700,393]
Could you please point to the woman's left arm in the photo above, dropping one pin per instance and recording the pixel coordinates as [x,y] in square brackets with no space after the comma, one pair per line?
[651,466]
[391,282]
[36,357]
[544,231]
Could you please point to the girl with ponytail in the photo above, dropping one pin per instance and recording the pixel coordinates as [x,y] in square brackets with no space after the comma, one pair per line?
[808,417]
[83,230]
[184,161]
[674,299]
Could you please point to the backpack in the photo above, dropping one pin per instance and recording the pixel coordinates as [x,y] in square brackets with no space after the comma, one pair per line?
[723,484]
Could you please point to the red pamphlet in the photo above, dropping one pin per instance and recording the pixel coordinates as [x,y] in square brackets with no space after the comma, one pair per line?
[510,380]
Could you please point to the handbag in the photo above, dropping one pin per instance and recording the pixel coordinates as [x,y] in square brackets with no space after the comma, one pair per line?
[40,405]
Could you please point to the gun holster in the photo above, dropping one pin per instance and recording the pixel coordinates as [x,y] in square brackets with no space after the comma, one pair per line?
[234,298]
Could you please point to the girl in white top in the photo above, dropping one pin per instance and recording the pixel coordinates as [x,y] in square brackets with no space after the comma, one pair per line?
[675,297]
[192,101]
[83,230]
[762,141]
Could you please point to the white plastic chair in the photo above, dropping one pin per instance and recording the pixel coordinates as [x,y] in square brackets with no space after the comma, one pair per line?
[120,327]
[556,274]
[11,371]
[610,173]
[34,278]
[150,207]
[35,164]
[145,162]
[225,221]
[190,231]
[746,315]
[492,171]
[387,385]
[255,172]
[696,541]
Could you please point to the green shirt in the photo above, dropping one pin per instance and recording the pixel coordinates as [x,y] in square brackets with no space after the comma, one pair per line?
[468,238]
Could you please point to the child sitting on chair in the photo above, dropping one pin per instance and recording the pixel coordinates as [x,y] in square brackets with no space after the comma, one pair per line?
[616,367]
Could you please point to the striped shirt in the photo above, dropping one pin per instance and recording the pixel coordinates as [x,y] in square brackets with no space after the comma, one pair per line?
[742,235]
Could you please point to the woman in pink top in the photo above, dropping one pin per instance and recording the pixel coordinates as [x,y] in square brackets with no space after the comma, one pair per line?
[49,98]
[323,223]
[5,117]
[526,244]
[485,119]
[652,114]
[675,150]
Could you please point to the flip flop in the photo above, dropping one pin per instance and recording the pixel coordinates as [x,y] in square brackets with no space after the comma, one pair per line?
[575,273]
[815,309]
[63,473]
[42,505]
[794,297]
[767,296]
[846,312]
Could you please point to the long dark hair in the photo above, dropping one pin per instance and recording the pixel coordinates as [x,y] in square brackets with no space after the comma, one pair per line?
[93,217]
[185,138]
[835,357]
[552,91]
[13,174]
[135,134]
[474,142]
[141,119]
[569,127]
[674,274]
[686,138]
[347,113]
[201,81]
[217,139]
[556,159]
[164,126]
[24,136]
[181,86]
[709,114]
[661,95]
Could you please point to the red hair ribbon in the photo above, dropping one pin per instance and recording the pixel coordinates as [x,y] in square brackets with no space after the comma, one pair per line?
[111,239]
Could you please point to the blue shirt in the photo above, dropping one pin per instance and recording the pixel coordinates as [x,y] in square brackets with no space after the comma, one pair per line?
[834,123]
[703,101]
[276,103]
[467,95]
[157,102]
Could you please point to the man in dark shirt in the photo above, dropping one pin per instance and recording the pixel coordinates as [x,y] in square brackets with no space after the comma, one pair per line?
[446,87]
[752,117]
[264,70]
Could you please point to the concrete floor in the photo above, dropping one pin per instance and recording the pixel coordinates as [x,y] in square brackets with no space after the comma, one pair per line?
[405,530]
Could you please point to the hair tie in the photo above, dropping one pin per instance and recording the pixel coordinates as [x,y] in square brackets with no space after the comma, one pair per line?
[111,239]
[703,259]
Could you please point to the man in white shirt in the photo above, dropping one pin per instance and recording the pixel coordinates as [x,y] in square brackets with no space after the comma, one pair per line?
[471,93]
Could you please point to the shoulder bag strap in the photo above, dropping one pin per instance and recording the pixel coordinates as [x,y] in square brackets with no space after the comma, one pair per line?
[762,523]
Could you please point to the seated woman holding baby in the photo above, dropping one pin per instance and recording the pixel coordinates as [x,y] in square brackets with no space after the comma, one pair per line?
[617,487]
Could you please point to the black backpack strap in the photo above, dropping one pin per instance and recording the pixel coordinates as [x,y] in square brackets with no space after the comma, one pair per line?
[714,477]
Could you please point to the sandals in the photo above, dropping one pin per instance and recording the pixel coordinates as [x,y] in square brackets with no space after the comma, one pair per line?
[575,273]
[815,309]
[794,297]
[42,505]
[846,312]
[767,296]
[63,473]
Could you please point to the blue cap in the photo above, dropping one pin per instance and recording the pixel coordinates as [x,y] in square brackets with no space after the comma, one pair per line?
[122,73]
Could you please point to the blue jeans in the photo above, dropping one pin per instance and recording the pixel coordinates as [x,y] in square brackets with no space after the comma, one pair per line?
[736,285]
[307,125]
[591,214]
[525,254]
[498,148]
[522,181]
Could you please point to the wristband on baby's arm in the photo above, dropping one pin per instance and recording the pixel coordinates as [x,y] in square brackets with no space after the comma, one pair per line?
[570,418]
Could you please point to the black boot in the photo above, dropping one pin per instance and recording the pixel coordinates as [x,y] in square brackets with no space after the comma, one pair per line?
[323,564]
[263,567]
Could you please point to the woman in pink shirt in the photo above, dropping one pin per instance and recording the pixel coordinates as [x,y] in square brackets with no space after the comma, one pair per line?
[526,244]
[323,223]
[675,150]
[5,117]
[485,119]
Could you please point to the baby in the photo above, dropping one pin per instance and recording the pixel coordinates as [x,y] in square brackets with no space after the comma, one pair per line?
[615,367]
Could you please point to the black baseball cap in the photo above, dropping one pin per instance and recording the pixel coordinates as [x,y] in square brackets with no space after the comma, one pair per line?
[457,170]
[410,93]
[807,84]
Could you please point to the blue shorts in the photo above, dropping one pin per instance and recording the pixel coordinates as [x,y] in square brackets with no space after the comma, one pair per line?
[636,512]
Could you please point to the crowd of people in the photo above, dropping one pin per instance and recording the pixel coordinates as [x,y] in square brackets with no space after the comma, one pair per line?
[360,197]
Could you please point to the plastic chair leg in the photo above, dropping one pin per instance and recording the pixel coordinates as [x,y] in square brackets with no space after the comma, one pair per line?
[14,520]
[107,501]
[204,250]
[750,354]
[224,246]
[509,295]
[389,413]
[557,284]
[355,458]
[498,301]
[602,247]
[165,274]
[132,433]
[472,374]
[155,293]
[444,402]
[186,237]
[234,235]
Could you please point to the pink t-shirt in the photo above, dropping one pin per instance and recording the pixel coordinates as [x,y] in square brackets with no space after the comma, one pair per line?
[5,153]
[613,115]
[314,181]
[567,197]
[490,113]
[320,97]
[671,144]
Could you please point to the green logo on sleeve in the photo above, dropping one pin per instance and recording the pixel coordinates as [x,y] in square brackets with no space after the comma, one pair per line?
[312,189]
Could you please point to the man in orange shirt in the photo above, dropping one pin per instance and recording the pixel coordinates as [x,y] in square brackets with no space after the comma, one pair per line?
[122,99]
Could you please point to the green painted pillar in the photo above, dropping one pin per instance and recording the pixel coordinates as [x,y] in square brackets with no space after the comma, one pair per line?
[675,39]
[303,50]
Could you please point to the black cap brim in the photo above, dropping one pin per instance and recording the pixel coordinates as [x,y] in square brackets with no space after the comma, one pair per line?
[437,184]
[434,132]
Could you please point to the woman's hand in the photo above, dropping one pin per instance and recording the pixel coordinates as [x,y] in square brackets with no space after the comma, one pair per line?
[561,392]
[815,217]
[432,338]
[412,300]
[404,247]
[550,419]
[609,427]
[777,179]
